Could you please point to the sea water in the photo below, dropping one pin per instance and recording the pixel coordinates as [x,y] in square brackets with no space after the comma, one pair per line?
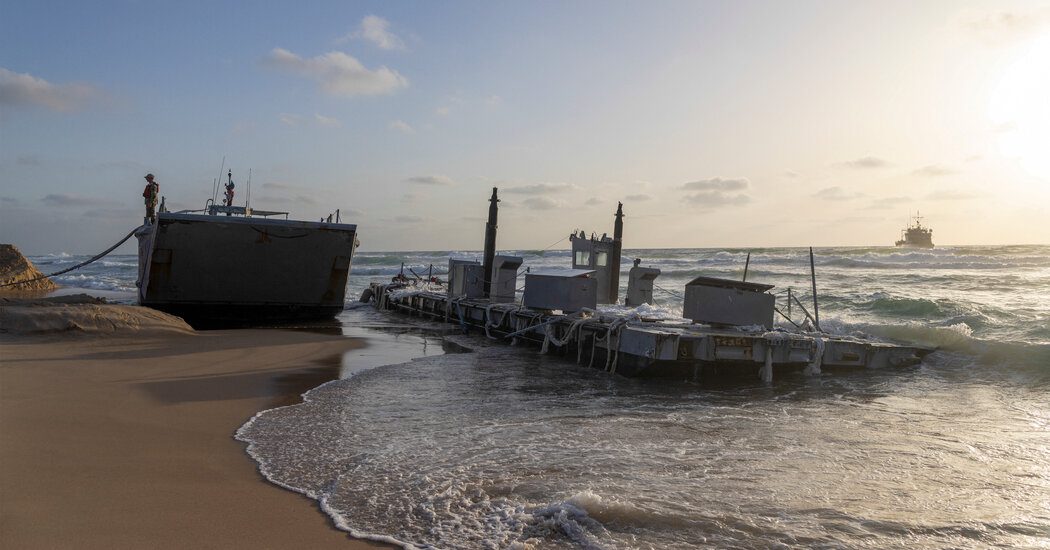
[497,446]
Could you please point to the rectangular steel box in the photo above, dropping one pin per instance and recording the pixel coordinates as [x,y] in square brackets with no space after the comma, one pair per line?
[568,291]
[727,302]
[504,278]
[466,279]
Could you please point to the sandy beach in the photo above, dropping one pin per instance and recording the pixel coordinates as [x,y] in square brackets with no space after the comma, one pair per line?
[127,442]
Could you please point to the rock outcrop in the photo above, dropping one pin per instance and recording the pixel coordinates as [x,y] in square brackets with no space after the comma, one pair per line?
[83,314]
[15,268]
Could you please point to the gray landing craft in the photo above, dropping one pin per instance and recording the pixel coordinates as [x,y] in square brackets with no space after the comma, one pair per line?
[727,327]
[229,264]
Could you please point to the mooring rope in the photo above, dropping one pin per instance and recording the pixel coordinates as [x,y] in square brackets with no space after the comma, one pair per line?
[78,266]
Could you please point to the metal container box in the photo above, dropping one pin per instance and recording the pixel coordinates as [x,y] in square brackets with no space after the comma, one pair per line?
[466,278]
[568,291]
[727,302]
[640,286]
[504,278]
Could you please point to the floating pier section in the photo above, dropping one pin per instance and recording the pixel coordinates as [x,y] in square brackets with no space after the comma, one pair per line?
[630,345]
[728,327]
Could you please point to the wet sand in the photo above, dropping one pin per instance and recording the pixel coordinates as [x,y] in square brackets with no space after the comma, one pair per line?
[127,442]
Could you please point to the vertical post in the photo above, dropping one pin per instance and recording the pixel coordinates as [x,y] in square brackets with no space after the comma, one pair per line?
[789,302]
[614,259]
[430,273]
[490,241]
[813,277]
[747,262]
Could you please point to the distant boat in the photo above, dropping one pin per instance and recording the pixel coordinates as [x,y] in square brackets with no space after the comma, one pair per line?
[236,265]
[915,235]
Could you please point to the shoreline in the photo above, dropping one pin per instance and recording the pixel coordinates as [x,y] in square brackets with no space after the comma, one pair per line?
[125,442]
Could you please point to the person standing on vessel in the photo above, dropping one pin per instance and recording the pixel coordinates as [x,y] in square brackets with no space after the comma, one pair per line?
[150,194]
[229,191]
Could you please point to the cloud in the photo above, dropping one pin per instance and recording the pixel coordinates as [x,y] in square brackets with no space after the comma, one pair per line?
[540,188]
[1001,27]
[837,193]
[641,197]
[27,160]
[23,89]
[409,198]
[594,201]
[430,180]
[327,122]
[376,30]
[290,119]
[444,110]
[9,201]
[409,219]
[791,174]
[933,171]
[950,195]
[717,184]
[402,126]
[541,203]
[338,74]
[63,200]
[707,200]
[864,163]
[887,203]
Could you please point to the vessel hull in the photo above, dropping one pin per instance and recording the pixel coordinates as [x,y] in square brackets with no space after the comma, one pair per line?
[214,270]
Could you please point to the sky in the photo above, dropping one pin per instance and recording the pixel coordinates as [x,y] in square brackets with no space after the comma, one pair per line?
[717,124]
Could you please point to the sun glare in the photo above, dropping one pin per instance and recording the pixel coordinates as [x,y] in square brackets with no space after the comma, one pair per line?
[1020,106]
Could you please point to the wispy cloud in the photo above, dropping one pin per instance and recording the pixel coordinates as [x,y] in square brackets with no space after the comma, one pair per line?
[541,203]
[430,180]
[540,188]
[714,192]
[641,197]
[409,219]
[338,74]
[934,171]
[950,195]
[9,201]
[707,200]
[327,122]
[594,201]
[23,89]
[290,119]
[837,193]
[887,203]
[27,160]
[999,27]
[865,163]
[717,184]
[402,126]
[376,30]
[64,200]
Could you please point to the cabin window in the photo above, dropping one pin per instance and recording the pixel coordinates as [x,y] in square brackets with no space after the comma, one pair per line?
[583,257]
[601,259]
